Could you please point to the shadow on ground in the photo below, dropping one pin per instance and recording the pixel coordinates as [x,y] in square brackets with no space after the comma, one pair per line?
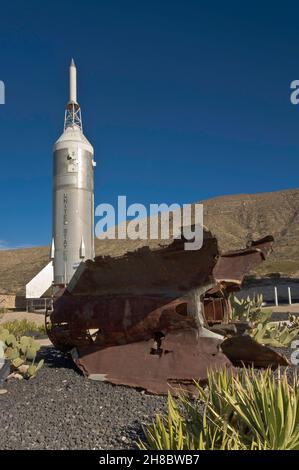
[57,359]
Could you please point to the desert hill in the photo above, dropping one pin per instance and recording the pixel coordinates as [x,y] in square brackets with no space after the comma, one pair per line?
[233,219]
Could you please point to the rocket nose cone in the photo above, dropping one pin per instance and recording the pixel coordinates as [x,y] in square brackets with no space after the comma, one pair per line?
[72,63]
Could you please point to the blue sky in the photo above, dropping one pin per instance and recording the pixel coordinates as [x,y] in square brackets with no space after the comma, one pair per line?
[182,100]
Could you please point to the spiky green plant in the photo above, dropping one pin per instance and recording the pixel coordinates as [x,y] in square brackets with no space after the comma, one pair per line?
[268,409]
[246,410]
[262,330]
[178,432]
[248,309]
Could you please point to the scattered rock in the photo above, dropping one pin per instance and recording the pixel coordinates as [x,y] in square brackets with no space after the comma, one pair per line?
[15,375]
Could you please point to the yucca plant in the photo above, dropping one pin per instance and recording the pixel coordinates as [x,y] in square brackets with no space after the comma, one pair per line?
[267,409]
[178,432]
[236,411]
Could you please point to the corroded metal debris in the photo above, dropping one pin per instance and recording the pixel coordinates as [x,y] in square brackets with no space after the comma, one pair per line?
[229,273]
[243,350]
[139,320]
[157,365]
[232,266]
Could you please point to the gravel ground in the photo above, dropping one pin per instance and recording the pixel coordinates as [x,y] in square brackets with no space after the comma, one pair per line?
[60,409]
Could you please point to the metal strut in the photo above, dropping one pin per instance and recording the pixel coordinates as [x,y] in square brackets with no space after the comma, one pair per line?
[73,116]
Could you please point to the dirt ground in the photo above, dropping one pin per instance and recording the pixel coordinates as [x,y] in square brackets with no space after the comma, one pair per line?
[38,318]
[294,308]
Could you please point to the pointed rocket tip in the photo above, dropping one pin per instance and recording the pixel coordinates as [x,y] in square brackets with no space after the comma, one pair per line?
[73,63]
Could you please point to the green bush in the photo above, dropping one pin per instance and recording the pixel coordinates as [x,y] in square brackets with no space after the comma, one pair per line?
[245,410]
[22,327]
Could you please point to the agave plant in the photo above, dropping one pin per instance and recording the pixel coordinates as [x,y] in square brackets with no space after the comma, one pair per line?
[245,410]
[248,309]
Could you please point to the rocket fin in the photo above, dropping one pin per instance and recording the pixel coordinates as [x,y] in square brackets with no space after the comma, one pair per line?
[82,253]
[52,251]
[40,283]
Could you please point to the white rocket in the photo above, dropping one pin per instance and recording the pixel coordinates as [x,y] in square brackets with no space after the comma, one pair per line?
[73,201]
[73,193]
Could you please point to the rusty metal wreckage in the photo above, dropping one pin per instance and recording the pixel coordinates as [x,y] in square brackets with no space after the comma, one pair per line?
[149,319]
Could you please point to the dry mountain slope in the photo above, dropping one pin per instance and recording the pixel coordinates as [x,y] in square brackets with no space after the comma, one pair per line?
[17,267]
[234,219]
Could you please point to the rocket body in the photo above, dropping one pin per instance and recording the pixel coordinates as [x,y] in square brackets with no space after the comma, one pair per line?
[73,194]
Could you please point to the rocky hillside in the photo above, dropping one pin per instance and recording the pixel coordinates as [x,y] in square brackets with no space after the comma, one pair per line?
[236,219]
[233,219]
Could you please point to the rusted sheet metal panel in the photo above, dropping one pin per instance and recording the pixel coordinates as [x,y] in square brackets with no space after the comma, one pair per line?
[181,358]
[119,319]
[168,270]
[233,266]
[229,273]
[243,350]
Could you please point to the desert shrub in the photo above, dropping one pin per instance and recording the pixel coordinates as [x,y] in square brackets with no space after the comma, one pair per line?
[22,327]
[245,410]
